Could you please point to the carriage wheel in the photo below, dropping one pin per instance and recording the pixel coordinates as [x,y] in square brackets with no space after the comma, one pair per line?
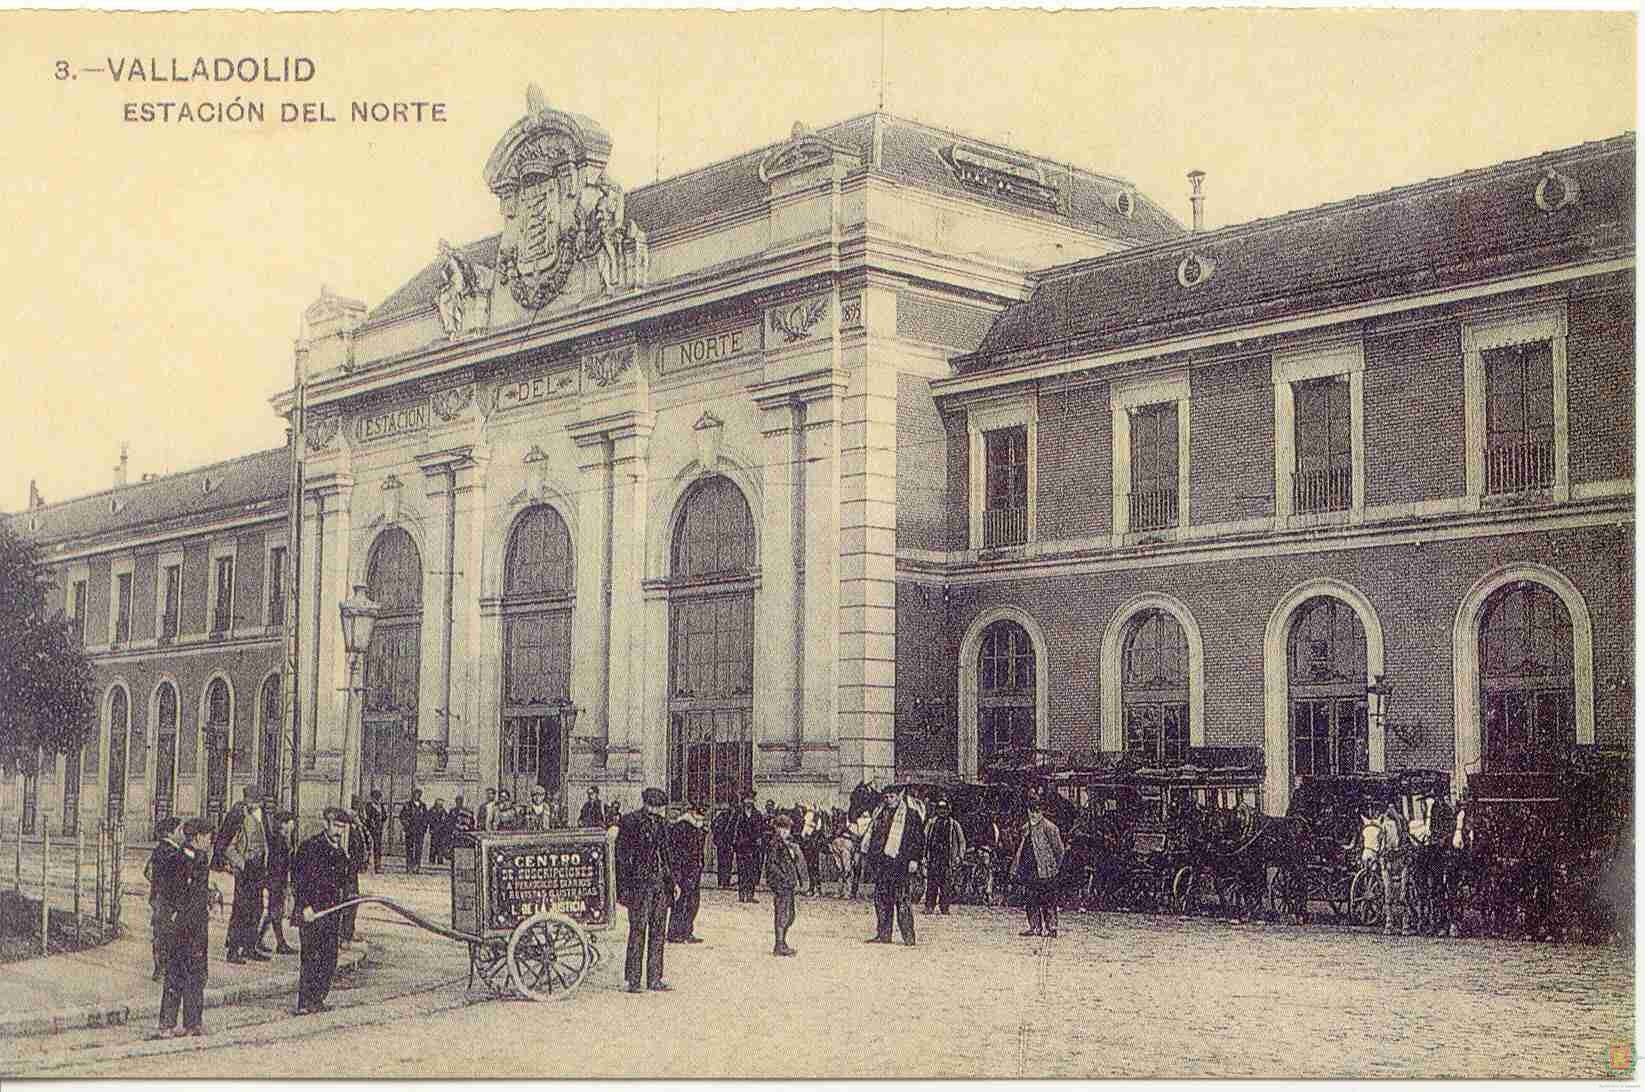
[1183,898]
[488,961]
[1366,898]
[1281,900]
[1231,894]
[548,955]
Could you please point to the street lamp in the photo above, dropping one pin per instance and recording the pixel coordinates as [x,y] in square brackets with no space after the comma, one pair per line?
[568,711]
[359,620]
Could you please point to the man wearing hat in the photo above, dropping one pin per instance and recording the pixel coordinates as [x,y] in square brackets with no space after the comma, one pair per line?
[944,846]
[593,813]
[245,852]
[1037,864]
[686,839]
[747,839]
[320,875]
[891,854]
[161,913]
[645,885]
[185,884]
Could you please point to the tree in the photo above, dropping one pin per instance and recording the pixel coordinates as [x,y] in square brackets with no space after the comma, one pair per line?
[47,694]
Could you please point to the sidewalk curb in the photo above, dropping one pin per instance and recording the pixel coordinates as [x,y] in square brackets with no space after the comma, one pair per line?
[102,1016]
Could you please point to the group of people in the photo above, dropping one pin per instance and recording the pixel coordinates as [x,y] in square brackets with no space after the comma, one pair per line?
[256,845]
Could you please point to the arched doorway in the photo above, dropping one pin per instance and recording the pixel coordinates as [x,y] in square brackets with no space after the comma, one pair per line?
[1007,682]
[1154,687]
[711,646]
[165,750]
[538,578]
[388,749]
[1526,679]
[1327,676]
[218,721]
[119,724]
[268,751]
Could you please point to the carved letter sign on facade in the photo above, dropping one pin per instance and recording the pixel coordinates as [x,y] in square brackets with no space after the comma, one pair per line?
[607,367]
[528,390]
[795,321]
[706,349]
[389,423]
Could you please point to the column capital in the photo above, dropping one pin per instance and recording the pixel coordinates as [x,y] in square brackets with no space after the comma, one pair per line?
[801,390]
[463,457]
[634,425]
[329,492]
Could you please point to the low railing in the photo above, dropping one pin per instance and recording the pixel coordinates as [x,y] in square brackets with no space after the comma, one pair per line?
[1322,490]
[1516,467]
[1004,527]
[1153,509]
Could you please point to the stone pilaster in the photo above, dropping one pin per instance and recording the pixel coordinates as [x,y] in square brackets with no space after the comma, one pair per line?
[591,617]
[327,528]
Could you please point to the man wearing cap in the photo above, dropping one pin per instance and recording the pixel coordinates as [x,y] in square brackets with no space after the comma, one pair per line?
[724,830]
[375,818]
[593,813]
[748,836]
[645,885]
[1036,866]
[685,855]
[186,885]
[891,854]
[162,914]
[246,855]
[414,823]
[944,846]
[784,874]
[319,878]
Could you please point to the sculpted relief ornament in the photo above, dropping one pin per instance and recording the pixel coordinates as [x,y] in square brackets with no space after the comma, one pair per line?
[464,294]
[560,208]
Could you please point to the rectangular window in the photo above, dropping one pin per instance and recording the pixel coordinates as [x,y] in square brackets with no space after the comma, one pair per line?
[77,612]
[223,613]
[1005,510]
[173,599]
[122,609]
[277,586]
[1154,467]
[1324,478]
[1519,417]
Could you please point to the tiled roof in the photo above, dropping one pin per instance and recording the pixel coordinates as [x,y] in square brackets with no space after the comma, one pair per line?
[909,152]
[1428,236]
[235,485]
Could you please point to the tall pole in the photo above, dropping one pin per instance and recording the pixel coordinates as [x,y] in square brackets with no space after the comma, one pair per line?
[294,566]
[345,771]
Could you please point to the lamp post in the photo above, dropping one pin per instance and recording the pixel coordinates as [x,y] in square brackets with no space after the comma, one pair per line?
[359,620]
[1377,695]
[568,711]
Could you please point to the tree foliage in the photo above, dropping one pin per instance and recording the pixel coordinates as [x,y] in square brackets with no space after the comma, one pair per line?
[47,694]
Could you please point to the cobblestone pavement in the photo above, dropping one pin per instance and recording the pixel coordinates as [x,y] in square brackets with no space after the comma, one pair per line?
[1116,995]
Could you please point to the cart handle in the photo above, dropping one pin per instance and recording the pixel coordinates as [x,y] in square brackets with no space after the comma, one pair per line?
[410,915]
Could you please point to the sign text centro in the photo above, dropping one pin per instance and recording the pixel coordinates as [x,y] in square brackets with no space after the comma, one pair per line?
[380,426]
[708,349]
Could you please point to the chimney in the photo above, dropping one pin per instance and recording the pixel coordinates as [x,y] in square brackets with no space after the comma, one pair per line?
[35,499]
[120,471]
[1197,199]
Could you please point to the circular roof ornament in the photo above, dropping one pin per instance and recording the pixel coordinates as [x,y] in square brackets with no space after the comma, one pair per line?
[1125,204]
[1555,191]
[1194,271]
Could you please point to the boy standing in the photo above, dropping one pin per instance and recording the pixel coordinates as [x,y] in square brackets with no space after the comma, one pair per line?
[186,883]
[785,872]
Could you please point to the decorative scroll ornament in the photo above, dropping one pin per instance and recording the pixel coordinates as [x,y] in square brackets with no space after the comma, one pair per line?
[485,398]
[794,322]
[803,150]
[322,432]
[1194,271]
[451,402]
[463,297]
[604,369]
[1555,191]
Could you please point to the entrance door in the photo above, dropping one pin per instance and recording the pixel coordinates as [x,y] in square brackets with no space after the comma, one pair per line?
[388,764]
[1327,735]
[712,756]
[531,755]
[71,791]
[165,754]
[218,715]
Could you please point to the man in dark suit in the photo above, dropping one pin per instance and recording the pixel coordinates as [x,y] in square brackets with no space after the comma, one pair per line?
[593,813]
[724,831]
[186,886]
[685,847]
[414,822]
[892,851]
[944,847]
[645,885]
[359,859]
[747,839]
[319,878]
[376,821]
[162,914]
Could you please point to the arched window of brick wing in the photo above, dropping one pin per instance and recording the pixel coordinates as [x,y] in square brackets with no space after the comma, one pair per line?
[1154,687]
[1327,675]
[1527,678]
[1007,679]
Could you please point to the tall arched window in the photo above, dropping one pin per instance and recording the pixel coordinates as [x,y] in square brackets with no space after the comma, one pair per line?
[1154,688]
[119,724]
[219,718]
[268,750]
[1327,674]
[388,747]
[1006,682]
[711,646]
[537,603]
[165,750]
[1527,678]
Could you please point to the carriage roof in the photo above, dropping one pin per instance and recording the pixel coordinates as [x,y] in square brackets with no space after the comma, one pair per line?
[1361,790]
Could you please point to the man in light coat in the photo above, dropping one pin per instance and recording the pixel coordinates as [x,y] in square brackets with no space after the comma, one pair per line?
[246,855]
[1036,866]
[892,850]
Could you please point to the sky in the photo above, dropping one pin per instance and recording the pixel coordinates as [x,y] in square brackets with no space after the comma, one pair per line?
[155,272]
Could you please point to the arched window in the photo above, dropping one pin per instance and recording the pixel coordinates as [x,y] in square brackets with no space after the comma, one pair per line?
[119,723]
[711,646]
[1006,683]
[1154,688]
[1327,674]
[537,603]
[1527,678]
[219,717]
[388,744]
[165,754]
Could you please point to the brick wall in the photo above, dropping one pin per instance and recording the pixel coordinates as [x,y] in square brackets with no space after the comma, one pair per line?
[1416,591]
[1600,355]
[97,601]
[142,596]
[959,481]
[249,562]
[922,467]
[196,586]
[920,318]
[1076,461]
[1231,437]
[923,656]
[1414,403]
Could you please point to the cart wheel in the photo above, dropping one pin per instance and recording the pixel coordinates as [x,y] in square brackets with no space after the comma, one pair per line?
[1366,898]
[548,955]
[1182,891]
[1280,895]
[488,961]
